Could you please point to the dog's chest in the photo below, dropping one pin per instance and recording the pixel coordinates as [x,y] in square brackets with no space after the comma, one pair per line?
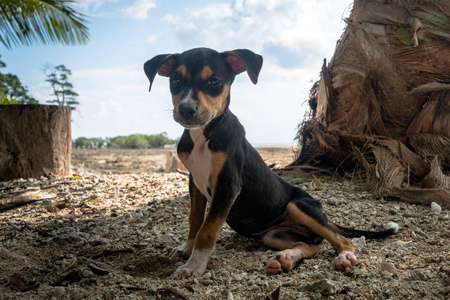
[199,163]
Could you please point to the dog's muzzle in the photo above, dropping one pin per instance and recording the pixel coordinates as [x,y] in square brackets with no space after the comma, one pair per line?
[188,116]
[187,111]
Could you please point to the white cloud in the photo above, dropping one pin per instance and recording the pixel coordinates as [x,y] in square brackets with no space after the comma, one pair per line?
[151,39]
[107,109]
[131,73]
[139,10]
[260,24]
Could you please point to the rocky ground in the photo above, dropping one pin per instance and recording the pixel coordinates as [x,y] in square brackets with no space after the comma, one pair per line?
[96,236]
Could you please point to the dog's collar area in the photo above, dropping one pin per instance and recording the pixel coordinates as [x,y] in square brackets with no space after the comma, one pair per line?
[193,127]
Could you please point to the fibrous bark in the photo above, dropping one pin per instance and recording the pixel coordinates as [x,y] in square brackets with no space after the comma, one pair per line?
[382,106]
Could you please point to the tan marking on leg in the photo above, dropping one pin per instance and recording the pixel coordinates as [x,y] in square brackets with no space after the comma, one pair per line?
[208,233]
[281,244]
[206,73]
[334,228]
[197,211]
[217,163]
[337,241]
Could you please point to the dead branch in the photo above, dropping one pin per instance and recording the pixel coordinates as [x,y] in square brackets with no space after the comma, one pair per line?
[19,198]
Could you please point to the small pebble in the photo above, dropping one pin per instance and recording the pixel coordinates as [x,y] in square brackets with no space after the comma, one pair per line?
[323,286]
[445,291]
[387,266]
[79,244]
[69,263]
[230,296]
[435,207]
[206,276]
[128,217]
[60,291]
[80,295]
[99,242]
[254,288]
[418,275]
[205,281]
[128,268]
[359,242]
[409,214]
[289,282]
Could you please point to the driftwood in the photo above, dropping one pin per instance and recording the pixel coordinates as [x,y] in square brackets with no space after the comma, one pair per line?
[381,110]
[423,196]
[19,198]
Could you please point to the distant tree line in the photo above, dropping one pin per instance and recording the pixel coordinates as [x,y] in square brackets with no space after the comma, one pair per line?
[12,91]
[134,141]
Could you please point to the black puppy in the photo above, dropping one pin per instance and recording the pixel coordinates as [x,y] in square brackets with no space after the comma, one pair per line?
[226,171]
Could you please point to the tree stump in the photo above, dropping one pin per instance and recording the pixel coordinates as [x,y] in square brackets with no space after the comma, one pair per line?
[173,163]
[35,140]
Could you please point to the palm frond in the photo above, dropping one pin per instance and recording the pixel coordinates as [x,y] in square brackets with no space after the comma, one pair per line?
[32,22]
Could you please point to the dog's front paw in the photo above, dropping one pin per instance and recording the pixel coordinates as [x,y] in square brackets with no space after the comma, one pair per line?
[195,266]
[185,271]
[184,250]
[345,259]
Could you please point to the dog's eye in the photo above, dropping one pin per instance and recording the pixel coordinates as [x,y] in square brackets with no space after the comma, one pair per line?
[175,80]
[213,81]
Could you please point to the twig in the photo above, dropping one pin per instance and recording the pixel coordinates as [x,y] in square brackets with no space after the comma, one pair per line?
[19,198]
[109,252]
[183,172]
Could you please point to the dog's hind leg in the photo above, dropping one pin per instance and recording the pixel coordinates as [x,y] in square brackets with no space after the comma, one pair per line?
[293,252]
[308,212]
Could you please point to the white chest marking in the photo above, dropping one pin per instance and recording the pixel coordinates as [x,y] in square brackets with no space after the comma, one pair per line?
[199,162]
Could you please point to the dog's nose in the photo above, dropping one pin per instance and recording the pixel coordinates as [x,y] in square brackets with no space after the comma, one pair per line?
[187,110]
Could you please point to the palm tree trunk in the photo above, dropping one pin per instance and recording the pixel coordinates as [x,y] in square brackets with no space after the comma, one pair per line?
[382,106]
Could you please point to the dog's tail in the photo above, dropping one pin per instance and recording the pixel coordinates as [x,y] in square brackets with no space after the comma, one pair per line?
[392,228]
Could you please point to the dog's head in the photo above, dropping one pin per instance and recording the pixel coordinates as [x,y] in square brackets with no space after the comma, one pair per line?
[200,81]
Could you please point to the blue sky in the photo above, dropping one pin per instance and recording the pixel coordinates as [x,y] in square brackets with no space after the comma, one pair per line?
[294,36]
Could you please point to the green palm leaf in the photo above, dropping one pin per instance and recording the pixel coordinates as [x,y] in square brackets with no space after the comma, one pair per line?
[33,22]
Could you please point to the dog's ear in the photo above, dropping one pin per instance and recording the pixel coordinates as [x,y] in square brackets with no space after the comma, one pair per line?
[161,64]
[242,60]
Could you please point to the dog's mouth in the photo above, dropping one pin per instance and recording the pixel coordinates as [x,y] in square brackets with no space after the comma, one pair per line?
[190,126]
[195,121]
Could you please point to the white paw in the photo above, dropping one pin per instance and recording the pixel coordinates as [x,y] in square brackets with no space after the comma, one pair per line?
[195,266]
[345,259]
[185,271]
